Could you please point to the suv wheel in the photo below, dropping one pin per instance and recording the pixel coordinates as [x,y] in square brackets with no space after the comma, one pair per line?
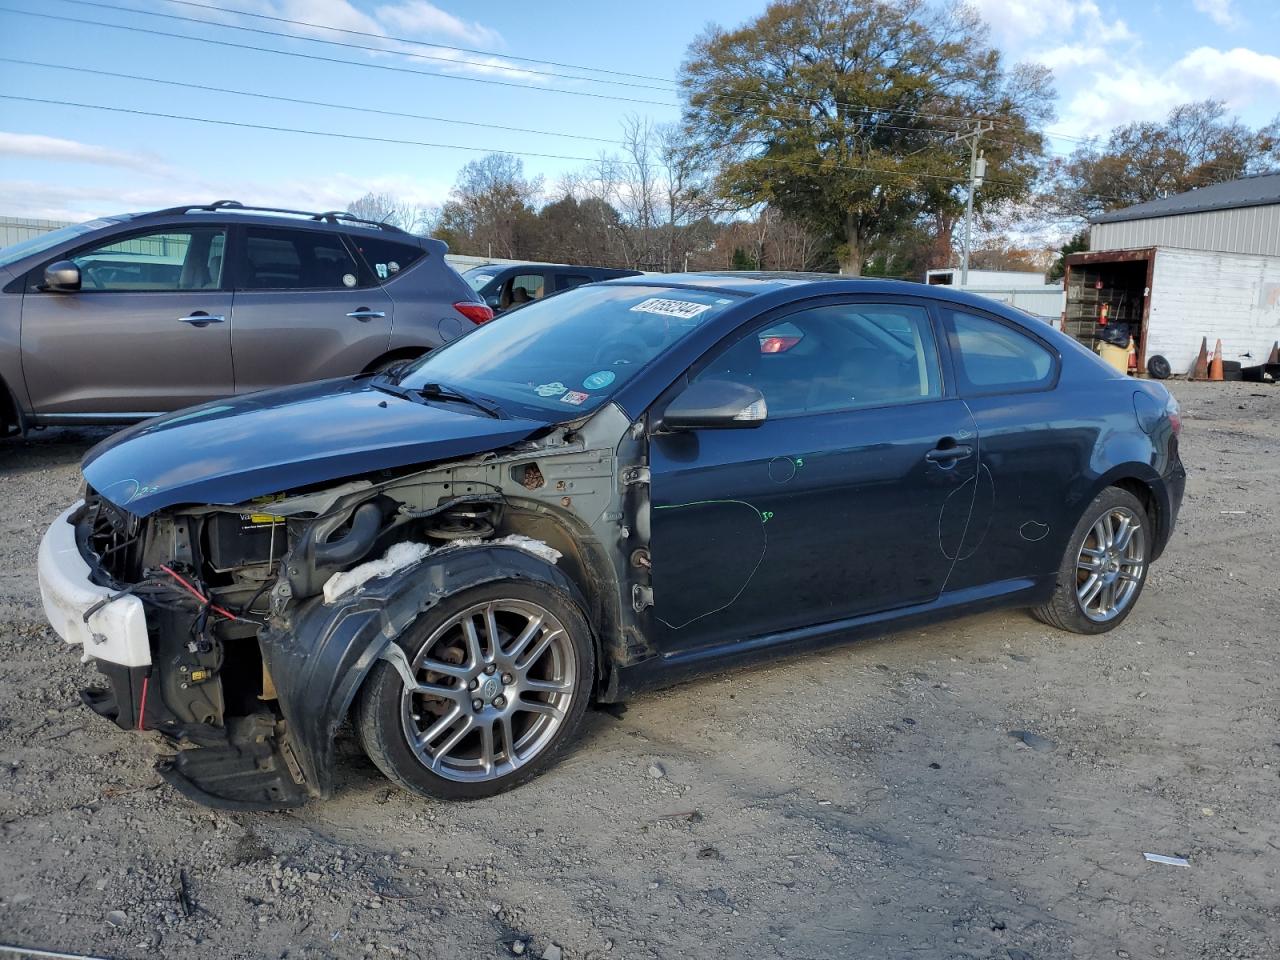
[1104,567]
[501,675]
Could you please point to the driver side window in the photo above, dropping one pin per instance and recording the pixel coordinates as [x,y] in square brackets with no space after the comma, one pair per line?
[172,259]
[836,357]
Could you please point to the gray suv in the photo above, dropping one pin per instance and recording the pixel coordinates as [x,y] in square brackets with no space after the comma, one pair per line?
[121,318]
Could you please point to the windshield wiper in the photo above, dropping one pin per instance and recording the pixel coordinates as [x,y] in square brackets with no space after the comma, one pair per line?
[440,391]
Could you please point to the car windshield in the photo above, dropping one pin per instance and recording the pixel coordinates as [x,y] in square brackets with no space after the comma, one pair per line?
[566,355]
[47,241]
[479,276]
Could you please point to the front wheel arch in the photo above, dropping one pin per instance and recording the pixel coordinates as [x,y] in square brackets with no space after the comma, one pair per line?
[394,357]
[322,656]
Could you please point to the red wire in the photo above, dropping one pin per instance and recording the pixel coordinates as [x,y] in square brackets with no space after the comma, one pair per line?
[223,611]
[142,709]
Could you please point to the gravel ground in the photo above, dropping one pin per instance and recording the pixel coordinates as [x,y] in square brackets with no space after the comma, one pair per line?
[883,811]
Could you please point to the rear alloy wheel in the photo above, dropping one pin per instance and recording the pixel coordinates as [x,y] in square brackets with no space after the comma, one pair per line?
[1104,568]
[480,692]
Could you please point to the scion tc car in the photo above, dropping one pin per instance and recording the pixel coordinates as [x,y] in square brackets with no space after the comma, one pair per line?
[622,486]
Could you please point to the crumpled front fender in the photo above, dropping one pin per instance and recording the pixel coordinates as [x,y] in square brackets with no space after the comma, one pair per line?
[320,660]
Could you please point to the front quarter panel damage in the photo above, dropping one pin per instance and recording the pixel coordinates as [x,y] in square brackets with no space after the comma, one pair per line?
[321,658]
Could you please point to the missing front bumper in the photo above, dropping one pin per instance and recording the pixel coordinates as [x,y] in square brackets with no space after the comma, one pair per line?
[247,767]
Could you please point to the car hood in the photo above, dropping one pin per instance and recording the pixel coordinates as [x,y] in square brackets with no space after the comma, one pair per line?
[233,450]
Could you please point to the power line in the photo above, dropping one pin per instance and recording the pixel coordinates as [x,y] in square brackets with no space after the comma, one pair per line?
[505,128]
[791,101]
[355,46]
[444,146]
[425,43]
[322,59]
[399,69]
[494,53]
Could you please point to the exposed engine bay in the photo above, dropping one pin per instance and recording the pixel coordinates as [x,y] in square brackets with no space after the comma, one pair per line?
[262,618]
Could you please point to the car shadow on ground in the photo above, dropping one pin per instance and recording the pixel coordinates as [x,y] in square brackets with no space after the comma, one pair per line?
[50,447]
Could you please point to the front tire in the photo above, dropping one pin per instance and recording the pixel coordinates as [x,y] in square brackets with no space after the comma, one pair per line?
[503,674]
[1104,567]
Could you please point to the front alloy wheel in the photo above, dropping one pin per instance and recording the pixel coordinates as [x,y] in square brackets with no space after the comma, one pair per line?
[480,692]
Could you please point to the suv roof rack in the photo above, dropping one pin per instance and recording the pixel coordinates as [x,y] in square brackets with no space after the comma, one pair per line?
[329,216]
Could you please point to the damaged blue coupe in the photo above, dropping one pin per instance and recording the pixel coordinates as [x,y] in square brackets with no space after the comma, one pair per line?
[613,488]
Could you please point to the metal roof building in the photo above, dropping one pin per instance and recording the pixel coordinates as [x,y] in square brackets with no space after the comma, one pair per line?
[1240,216]
[14,229]
[1175,272]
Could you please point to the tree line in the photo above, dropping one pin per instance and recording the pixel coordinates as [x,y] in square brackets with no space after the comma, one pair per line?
[824,135]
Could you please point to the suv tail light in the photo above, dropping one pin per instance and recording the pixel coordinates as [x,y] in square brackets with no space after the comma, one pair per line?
[1175,417]
[477,313]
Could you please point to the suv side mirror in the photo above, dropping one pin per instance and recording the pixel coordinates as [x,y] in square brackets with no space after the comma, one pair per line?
[61,277]
[716,405]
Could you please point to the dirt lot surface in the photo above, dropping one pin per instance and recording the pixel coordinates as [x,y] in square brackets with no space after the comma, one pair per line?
[866,802]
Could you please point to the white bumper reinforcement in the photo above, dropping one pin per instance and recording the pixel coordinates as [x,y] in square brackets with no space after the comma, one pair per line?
[115,631]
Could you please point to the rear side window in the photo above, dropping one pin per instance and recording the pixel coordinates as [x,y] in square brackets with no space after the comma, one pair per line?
[992,357]
[567,281]
[296,260]
[386,258]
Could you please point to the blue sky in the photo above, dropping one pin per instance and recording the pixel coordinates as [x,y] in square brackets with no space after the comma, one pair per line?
[1113,61]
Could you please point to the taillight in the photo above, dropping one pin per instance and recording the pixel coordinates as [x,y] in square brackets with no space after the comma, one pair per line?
[1175,418]
[777,344]
[477,313]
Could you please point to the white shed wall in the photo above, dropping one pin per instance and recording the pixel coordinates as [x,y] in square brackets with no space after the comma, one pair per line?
[1237,230]
[1046,301]
[1224,296]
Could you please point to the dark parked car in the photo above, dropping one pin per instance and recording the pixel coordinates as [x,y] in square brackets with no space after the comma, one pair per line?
[618,487]
[125,317]
[503,286]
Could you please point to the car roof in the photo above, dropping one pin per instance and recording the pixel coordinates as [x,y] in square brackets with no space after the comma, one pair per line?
[230,211]
[756,283]
[525,264]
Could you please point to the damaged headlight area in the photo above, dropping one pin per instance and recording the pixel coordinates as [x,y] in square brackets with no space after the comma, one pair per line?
[233,596]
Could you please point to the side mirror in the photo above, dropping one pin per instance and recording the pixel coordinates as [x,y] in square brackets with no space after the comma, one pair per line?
[61,277]
[494,301]
[716,405]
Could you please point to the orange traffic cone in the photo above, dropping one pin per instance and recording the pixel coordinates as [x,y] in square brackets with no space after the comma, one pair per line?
[1133,358]
[1215,365]
[1275,353]
[1200,368]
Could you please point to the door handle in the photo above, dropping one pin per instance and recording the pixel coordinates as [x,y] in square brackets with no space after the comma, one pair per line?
[364,314]
[946,456]
[202,319]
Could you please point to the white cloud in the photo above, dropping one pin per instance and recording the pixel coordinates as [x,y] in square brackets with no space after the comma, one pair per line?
[386,31]
[33,146]
[42,199]
[420,17]
[1241,77]
[1016,22]
[1219,11]
[1071,55]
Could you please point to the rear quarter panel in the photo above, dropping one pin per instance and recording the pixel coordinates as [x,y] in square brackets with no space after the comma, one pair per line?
[424,296]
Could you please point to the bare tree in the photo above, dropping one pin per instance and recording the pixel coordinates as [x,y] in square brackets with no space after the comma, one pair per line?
[388,208]
[491,206]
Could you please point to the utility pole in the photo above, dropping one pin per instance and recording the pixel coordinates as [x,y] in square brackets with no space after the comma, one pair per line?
[977,171]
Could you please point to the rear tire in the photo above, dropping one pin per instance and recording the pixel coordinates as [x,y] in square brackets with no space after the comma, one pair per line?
[504,673]
[1104,567]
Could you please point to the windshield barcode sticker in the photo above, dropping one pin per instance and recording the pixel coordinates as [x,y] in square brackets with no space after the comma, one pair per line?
[671,308]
